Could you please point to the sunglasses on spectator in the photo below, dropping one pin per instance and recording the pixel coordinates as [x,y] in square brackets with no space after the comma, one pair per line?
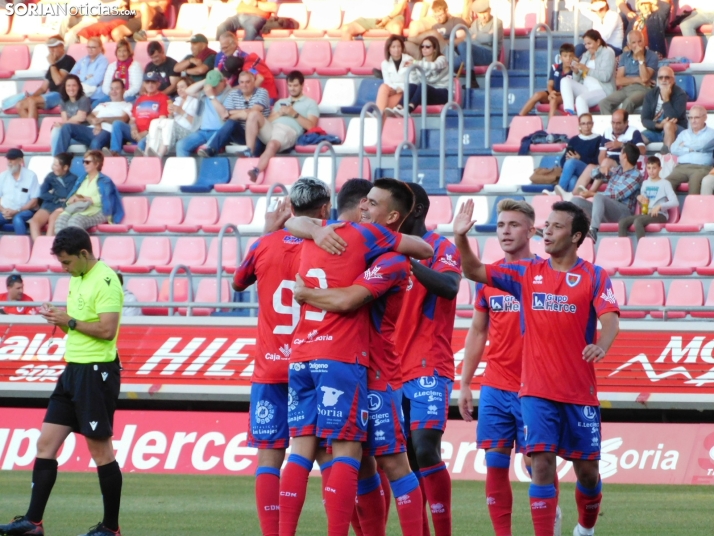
[426,46]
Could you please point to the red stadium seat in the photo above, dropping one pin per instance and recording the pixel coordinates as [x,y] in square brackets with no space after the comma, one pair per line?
[141,52]
[284,170]
[708,303]
[24,131]
[201,211]
[207,293]
[372,60]
[706,93]
[691,48]
[692,252]
[154,251]
[313,55]
[559,124]
[144,288]
[119,251]
[282,56]
[61,290]
[440,211]
[492,251]
[229,255]
[13,58]
[614,253]
[142,171]
[349,169]
[479,170]
[312,88]
[189,251]
[672,217]
[235,210]
[334,126]
[180,295]
[696,211]
[38,288]
[41,258]
[586,250]
[239,180]
[682,293]
[618,287]
[542,204]
[393,135]
[136,211]
[519,128]
[14,249]
[115,167]
[164,211]
[644,293]
[42,145]
[464,297]
[652,253]
[253,47]
[347,54]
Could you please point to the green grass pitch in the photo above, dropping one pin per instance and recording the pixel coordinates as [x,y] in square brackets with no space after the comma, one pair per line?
[176,505]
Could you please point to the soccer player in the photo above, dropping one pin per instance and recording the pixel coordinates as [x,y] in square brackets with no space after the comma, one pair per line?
[328,366]
[383,284]
[86,394]
[561,300]
[272,261]
[497,320]
[423,336]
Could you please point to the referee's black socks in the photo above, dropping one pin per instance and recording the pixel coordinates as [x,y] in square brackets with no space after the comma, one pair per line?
[110,481]
[44,474]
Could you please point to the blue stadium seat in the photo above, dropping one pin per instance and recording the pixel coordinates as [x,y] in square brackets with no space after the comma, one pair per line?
[490,227]
[688,84]
[367,92]
[213,171]
[77,166]
[549,161]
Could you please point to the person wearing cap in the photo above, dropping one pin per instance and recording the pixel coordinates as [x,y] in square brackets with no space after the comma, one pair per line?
[19,191]
[125,69]
[251,16]
[606,22]
[482,28]
[92,67]
[251,62]
[15,293]
[199,62]
[212,92]
[47,95]
[702,13]
[150,105]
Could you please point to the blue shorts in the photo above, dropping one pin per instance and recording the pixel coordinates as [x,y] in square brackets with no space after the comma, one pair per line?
[328,399]
[52,99]
[268,416]
[385,432]
[426,401]
[569,430]
[500,423]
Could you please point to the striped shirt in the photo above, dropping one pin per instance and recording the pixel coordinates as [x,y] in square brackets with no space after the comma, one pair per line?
[237,101]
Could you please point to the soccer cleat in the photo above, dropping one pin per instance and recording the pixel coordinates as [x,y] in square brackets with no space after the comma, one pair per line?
[558,527]
[580,531]
[21,525]
[100,530]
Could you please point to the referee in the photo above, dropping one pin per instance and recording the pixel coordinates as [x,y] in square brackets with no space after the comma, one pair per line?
[87,391]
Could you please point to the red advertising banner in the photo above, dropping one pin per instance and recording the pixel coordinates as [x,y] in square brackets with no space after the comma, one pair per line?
[215,443]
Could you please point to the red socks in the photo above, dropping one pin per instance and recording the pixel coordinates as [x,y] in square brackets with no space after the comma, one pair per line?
[544,503]
[293,488]
[340,495]
[588,501]
[424,515]
[325,470]
[410,505]
[499,496]
[437,483]
[267,498]
[355,523]
[370,506]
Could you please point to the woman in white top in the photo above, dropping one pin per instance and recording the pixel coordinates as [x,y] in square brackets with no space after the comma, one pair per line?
[164,132]
[126,69]
[391,92]
[593,76]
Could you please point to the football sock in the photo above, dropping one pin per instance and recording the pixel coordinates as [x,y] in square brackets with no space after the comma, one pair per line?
[424,515]
[293,488]
[370,505]
[267,498]
[355,523]
[499,496]
[556,482]
[543,508]
[44,474]
[386,493]
[437,483]
[410,504]
[588,501]
[340,497]
[325,470]
[110,481]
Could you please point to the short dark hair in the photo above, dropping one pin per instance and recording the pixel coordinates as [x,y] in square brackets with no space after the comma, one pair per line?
[352,193]
[12,279]
[439,5]
[625,114]
[654,160]
[120,81]
[63,87]
[64,159]
[71,240]
[388,43]
[296,75]
[233,66]
[581,222]
[154,47]
[567,47]
[420,196]
[631,152]
[402,195]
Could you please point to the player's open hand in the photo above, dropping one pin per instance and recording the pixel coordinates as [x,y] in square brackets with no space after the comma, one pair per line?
[299,290]
[593,353]
[466,404]
[326,238]
[463,221]
[276,219]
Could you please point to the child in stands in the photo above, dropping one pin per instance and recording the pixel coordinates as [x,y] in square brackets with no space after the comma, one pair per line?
[552,95]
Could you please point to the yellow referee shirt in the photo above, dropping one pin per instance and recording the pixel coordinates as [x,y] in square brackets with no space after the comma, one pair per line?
[96,292]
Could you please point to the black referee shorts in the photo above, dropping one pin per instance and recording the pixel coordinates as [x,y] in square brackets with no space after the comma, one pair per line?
[86,397]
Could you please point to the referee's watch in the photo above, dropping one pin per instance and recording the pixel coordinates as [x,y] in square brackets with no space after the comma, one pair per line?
[72,324]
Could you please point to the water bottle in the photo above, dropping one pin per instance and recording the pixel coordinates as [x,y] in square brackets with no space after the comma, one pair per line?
[645,207]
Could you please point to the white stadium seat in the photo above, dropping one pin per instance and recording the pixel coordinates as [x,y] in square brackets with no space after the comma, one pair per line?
[515,172]
[178,171]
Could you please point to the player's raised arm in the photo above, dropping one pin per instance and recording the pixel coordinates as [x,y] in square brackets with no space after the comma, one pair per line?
[471,265]
[323,235]
[275,220]
[610,328]
[473,352]
[336,300]
[413,246]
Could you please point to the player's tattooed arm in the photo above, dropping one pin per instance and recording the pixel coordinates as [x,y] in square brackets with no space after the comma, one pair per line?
[473,352]
[471,265]
[610,328]
[312,229]
[443,284]
[336,300]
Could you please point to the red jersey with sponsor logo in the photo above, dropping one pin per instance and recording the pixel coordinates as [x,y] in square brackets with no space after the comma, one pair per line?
[560,312]
[340,337]
[15,310]
[273,260]
[504,352]
[387,280]
[426,322]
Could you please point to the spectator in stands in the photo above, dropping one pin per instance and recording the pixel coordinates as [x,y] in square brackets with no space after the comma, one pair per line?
[251,62]
[482,29]
[165,132]
[393,23]
[20,191]
[703,13]
[239,104]
[582,151]
[558,71]
[47,95]
[394,67]
[440,28]
[16,293]
[424,20]
[117,29]
[53,195]
[163,65]
[593,76]
[212,92]
[606,22]
[199,62]
[97,134]
[651,17]
[75,106]
[251,17]
[129,297]
[125,69]
[693,148]
[619,199]
[92,67]
[94,198]
[656,198]
[635,76]
[152,104]
[290,118]
[665,106]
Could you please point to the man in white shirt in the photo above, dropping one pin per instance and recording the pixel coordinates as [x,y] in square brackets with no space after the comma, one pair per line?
[607,22]
[19,192]
[694,148]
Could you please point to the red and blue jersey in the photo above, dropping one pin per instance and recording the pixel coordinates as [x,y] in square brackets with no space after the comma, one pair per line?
[326,335]
[272,261]
[560,312]
[426,322]
[387,280]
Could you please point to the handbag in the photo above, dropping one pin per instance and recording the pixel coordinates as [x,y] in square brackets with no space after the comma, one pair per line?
[77,206]
[546,175]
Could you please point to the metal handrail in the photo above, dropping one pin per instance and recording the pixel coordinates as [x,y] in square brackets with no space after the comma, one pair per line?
[512,51]
[407,114]
[333,179]
[452,57]
[172,276]
[219,263]
[370,107]
[442,140]
[415,157]
[576,21]
[487,103]
[549,34]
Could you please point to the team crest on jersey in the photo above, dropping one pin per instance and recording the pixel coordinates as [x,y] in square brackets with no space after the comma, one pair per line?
[290,239]
[374,402]
[572,279]
[504,304]
[364,416]
[372,273]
